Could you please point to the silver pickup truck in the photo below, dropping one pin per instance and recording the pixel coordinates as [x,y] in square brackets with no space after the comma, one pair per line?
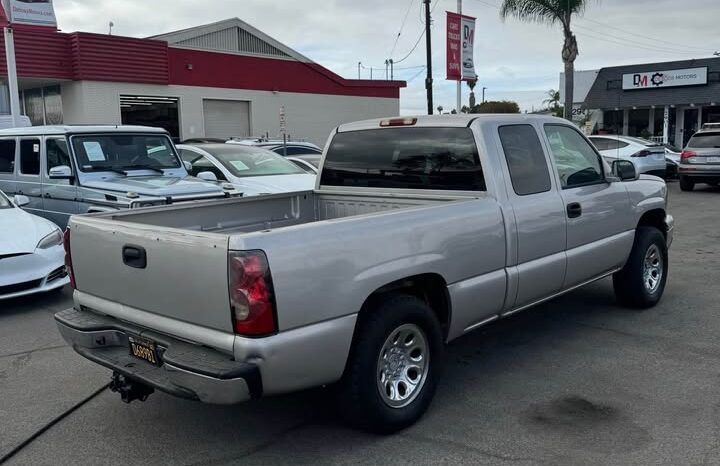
[419,231]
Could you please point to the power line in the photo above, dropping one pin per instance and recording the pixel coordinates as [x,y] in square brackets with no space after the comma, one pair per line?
[402,26]
[630,44]
[417,42]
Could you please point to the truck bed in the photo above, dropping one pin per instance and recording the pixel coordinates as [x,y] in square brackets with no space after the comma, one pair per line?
[271,212]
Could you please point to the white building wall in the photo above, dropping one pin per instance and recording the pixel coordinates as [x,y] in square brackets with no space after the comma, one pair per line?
[582,84]
[308,116]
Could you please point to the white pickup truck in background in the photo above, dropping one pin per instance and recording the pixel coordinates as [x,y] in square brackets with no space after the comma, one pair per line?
[419,231]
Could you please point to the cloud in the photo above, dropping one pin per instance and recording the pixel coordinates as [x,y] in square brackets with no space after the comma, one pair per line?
[514,60]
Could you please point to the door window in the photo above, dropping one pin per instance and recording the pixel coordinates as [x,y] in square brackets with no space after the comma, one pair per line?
[200,164]
[57,153]
[7,155]
[30,156]
[525,158]
[576,161]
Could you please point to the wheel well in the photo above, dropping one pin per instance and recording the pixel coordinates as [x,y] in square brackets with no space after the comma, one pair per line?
[431,288]
[654,218]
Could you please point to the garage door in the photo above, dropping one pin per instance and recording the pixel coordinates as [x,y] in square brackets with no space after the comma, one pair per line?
[226,118]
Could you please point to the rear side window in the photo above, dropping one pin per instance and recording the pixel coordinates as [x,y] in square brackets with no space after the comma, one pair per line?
[405,158]
[7,155]
[601,144]
[525,158]
[30,156]
[705,141]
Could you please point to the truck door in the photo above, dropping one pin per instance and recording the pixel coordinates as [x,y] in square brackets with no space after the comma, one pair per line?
[59,195]
[599,230]
[539,216]
[28,180]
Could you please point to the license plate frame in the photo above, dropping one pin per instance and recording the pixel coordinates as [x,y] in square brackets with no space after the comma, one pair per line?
[143,349]
[713,160]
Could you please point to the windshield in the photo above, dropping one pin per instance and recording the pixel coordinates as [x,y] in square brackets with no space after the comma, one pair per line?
[252,161]
[705,141]
[4,202]
[100,152]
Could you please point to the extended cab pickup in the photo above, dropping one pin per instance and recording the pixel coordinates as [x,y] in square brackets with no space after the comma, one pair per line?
[419,231]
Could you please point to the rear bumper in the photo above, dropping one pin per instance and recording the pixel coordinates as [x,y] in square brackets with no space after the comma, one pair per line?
[187,371]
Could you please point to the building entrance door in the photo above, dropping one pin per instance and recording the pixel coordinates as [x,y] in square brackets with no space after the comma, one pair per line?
[690,124]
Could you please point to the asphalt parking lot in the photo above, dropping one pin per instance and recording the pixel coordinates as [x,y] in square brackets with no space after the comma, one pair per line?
[576,381]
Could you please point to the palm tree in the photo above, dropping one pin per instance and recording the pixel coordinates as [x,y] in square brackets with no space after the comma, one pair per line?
[552,12]
[553,99]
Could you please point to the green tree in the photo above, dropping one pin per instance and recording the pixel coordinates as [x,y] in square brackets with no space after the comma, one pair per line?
[553,99]
[552,12]
[503,106]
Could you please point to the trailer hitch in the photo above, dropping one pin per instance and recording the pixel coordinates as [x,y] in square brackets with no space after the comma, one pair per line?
[129,390]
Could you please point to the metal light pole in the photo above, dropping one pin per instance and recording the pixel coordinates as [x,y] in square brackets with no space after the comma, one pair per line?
[359,65]
[483,96]
[12,75]
[459,83]
[428,58]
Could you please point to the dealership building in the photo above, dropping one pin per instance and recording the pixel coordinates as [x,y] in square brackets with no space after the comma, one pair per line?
[666,101]
[225,79]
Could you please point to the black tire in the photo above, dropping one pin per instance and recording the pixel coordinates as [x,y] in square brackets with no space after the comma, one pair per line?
[629,283]
[360,399]
[686,184]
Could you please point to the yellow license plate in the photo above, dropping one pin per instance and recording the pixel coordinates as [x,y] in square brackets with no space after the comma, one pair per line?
[144,349]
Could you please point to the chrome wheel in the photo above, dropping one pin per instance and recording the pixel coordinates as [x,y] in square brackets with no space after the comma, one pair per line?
[402,365]
[652,269]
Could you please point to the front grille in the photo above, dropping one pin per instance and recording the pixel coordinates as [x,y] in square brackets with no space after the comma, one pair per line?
[57,274]
[18,287]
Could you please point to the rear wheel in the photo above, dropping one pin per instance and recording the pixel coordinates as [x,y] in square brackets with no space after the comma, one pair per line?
[686,184]
[393,366]
[641,283]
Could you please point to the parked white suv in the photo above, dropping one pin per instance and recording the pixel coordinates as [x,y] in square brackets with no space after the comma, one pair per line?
[648,157]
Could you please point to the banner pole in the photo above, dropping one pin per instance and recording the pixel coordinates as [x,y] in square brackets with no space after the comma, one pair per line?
[459,83]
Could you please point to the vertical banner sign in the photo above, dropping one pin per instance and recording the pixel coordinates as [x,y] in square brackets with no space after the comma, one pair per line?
[460,47]
[283,121]
[38,12]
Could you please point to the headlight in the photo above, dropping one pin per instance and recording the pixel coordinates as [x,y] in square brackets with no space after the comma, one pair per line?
[53,239]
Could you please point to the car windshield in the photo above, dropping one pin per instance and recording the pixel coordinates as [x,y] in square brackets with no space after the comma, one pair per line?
[252,161]
[120,152]
[4,201]
[705,140]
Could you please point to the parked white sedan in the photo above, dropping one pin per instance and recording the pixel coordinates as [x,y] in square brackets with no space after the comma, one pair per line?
[250,169]
[648,157]
[32,258]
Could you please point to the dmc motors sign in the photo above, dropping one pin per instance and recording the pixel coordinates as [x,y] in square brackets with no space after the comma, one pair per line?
[671,78]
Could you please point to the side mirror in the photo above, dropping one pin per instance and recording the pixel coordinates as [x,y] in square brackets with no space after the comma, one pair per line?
[21,201]
[187,165]
[624,170]
[61,172]
[207,176]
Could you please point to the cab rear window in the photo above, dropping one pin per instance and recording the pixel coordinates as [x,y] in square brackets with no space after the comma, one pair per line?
[405,158]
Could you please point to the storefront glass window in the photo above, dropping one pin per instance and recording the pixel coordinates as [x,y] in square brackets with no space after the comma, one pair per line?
[34,106]
[639,123]
[53,106]
[612,122]
[43,105]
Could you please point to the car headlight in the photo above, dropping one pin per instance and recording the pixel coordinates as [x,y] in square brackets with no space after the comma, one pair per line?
[53,239]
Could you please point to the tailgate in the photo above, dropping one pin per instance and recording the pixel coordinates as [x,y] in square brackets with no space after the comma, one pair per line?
[184,276]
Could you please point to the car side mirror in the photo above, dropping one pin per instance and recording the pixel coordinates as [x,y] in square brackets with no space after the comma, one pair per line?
[624,170]
[187,165]
[61,172]
[207,176]
[21,200]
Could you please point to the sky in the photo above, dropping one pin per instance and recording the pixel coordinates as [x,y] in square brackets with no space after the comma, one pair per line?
[514,60]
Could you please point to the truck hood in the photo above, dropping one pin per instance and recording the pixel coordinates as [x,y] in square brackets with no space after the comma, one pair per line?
[254,185]
[160,186]
[20,231]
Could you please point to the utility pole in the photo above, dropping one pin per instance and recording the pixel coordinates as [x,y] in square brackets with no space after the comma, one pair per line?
[428,51]
[459,83]
[359,65]
[387,63]
[392,74]
[483,97]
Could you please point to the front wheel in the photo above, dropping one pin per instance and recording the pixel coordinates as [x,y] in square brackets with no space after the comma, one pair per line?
[393,366]
[641,283]
[686,184]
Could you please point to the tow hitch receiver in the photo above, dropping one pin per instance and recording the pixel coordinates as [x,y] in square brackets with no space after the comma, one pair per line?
[129,389]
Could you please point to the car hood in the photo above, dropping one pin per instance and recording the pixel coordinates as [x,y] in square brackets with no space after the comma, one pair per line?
[271,184]
[21,231]
[160,186]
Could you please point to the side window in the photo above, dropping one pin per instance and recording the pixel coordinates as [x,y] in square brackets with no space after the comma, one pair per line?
[57,153]
[577,162]
[202,164]
[30,156]
[600,143]
[7,155]
[525,158]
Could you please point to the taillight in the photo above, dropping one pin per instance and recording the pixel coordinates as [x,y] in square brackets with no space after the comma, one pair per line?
[642,153]
[687,154]
[68,258]
[398,122]
[252,300]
